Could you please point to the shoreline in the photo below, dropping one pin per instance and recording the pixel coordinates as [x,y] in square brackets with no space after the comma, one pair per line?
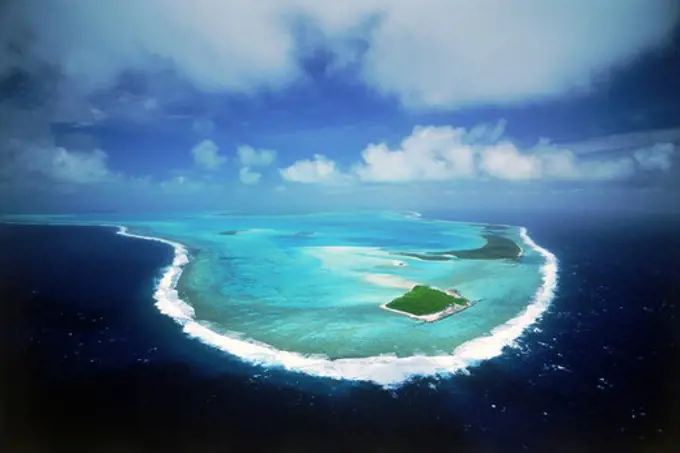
[388,371]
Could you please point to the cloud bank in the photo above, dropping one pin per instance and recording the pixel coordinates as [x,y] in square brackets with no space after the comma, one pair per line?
[432,53]
[445,153]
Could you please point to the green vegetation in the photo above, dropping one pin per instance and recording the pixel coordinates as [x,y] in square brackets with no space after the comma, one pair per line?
[423,300]
[496,248]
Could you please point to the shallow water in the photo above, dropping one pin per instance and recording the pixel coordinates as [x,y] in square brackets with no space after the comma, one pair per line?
[304,292]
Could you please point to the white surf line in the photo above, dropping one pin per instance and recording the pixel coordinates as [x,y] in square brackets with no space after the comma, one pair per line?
[489,346]
[166,296]
[386,370]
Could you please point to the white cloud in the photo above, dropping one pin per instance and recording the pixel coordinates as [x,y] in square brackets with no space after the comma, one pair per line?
[206,155]
[444,153]
[630,140]
[320,169]
[247,176]
[79,168]
[657,157]
[203,40]
[58,164]
[507,162]
[431,53]
[455,53]
[251,157]
[428,154]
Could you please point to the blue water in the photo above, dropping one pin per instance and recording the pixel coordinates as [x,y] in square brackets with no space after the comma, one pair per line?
[305,292]
[92,359]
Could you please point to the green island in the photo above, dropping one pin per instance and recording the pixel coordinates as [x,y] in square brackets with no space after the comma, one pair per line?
[496,248]
[428,304]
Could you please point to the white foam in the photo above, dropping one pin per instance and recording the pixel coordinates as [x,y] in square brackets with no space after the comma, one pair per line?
[386,370]
[489,346]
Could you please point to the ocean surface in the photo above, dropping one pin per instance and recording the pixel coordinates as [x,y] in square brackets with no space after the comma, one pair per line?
[94,363]
[304,292]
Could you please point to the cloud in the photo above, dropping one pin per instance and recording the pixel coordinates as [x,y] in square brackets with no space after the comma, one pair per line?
[203,40]
[247,176]
[507,162]
[627,141]
[549,162]
[506,52]
[251,157]
[319,169]
[79,168]
[62,166]
[428,154]
[445,153]
[433,53]
[206,155]
[657,157]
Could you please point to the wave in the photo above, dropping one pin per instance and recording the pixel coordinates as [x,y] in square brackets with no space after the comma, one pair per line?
[386,370]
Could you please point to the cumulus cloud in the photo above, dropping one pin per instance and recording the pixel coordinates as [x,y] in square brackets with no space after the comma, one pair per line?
[61,165]
[432,53]
[507,162]
[206,155]
[251,157]
[319,169]
[444,153]
[247,176]
[81,168]
[429,153]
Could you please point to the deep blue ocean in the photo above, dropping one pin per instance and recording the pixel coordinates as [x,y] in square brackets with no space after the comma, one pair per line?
[89,364]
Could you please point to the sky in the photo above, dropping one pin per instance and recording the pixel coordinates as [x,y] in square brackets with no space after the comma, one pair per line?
[302,105]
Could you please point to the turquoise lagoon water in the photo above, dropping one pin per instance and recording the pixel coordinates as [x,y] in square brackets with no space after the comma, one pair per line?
[304,292]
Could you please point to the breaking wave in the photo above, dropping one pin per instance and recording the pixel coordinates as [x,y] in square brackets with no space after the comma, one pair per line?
[385,370]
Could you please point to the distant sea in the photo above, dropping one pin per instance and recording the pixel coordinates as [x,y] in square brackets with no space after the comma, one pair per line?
[90,364]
